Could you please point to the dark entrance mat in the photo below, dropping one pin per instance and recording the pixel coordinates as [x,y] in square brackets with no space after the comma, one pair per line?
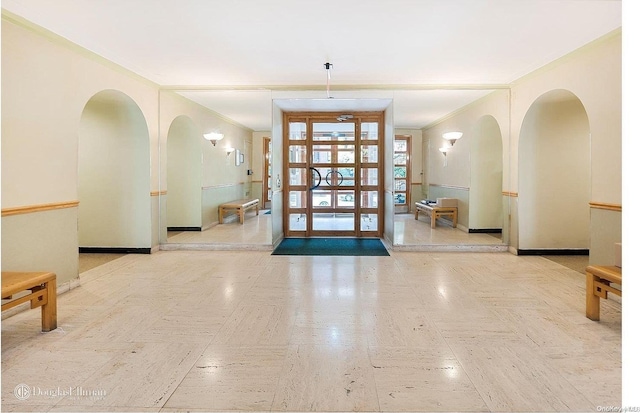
[331,246]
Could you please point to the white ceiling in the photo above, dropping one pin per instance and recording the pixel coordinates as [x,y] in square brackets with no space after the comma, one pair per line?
[428,56]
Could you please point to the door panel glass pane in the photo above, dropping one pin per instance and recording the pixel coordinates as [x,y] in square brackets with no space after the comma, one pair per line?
[400,185]
[400,146]
[347,176]
[346,199]
[369,130]
[298,222]
[297,131]
[369,176]
[333,222]
[321,153]
[369,153]
[399,172]
[343,131]
[400,158]
[369,222]
[297,176]
[297,199]
[369,199]
[347,155]
[322,199]
[297,154]
[400,198]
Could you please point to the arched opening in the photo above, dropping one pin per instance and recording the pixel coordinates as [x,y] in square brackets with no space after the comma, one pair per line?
[554,174]
[113,176]
[485,190]
[184,175]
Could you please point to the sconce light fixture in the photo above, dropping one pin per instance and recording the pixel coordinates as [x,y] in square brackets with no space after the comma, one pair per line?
[213,137]
[452,137]
[444,151]
[229,151]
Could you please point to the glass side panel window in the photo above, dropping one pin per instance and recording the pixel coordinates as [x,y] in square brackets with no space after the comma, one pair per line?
[297,176]
[369,131]
[369,176]
[297,199]
[298,222]
[369,154]
[369,222]
[297,154]
[297,131]
[369,199]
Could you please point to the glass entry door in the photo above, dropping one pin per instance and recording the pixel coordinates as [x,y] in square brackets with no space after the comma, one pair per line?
[334,175]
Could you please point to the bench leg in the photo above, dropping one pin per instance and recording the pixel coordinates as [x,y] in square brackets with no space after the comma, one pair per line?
[455,218]
[241,214]
[417,213]
[50,309]
[593,301]
[220,215]
[433,219]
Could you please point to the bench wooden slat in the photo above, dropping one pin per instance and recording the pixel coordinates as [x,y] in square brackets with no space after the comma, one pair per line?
[239,206]
[43,293]
[599,279]
[14,282]
[436,212]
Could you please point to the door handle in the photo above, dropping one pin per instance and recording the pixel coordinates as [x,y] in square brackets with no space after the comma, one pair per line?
[326,178]
[319,178]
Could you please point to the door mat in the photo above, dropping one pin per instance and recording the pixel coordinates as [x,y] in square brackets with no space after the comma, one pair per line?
[331,246]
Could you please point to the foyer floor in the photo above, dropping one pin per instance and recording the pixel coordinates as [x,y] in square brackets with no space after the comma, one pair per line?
[248,331]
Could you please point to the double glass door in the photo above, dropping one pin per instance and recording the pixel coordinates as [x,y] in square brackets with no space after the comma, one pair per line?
[333,173]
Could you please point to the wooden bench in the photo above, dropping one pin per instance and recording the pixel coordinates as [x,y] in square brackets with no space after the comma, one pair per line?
[599,280]
[239,206]
[436,212]
[42,293]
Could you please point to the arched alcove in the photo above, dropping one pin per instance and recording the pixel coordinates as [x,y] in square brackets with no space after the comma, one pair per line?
[184,175]
[554,174]
[113,174]
[485,190]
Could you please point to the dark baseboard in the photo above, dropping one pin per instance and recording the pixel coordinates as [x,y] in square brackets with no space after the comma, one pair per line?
[485,231]
[184,229]
[114,250]
[554,252]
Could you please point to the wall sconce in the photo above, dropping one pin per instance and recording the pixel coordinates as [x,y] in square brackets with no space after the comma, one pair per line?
[452,137]
[213,137]
[229,151]
[444,151]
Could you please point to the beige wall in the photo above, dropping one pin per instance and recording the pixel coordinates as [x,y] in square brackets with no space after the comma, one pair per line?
[44,93]
[454,179]
[184,174]
[113,174]
[41,116]
[593,74]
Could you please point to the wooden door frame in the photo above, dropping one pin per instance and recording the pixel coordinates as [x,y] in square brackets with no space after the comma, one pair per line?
[330,117]
[406,138]
[265,170]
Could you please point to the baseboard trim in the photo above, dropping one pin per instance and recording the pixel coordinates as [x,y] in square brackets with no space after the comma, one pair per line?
[553,252]
[184,229]
[485,231]
[114,250]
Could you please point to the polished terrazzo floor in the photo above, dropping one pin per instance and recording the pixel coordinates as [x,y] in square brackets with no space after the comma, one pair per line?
[256,234]
[248,331]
